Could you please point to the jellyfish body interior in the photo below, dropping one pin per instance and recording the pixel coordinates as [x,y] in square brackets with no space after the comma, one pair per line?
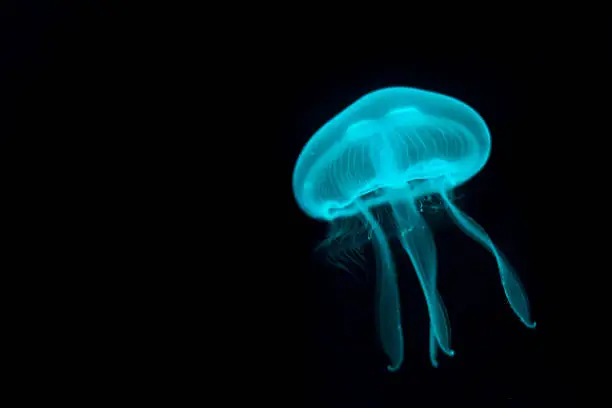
[392,147]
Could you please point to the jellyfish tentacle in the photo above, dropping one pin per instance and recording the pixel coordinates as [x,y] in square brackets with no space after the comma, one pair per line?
[513,288]
[433,346]
[417,240]
[388,304]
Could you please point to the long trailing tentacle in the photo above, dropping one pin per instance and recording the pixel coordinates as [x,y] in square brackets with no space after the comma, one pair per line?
[388,304]
[510,281]
[417,240]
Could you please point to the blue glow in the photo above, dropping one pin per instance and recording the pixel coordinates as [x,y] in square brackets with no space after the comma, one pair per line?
[393,148]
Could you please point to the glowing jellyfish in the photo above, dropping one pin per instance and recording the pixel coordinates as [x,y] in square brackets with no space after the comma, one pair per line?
[392,147]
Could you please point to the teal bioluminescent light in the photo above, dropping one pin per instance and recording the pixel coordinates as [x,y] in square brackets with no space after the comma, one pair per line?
[391,148]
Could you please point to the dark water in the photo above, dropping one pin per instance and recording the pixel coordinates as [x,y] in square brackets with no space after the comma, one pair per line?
[498,361]
[158,253]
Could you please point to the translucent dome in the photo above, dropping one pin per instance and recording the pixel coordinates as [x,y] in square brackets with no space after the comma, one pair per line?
[390,138]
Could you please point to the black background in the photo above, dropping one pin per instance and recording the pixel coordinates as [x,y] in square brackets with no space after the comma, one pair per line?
[498,361]
[153,155]
[544,104]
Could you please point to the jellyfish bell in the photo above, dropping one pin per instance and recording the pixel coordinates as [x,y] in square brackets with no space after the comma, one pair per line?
[368,126]
[361,130]
[396,148]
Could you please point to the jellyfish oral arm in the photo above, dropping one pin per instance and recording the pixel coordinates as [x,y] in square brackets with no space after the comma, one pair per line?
[510,281]
[388,305]
[417,240]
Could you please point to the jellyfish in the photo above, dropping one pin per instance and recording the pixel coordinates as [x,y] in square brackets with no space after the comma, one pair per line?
[391,148]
